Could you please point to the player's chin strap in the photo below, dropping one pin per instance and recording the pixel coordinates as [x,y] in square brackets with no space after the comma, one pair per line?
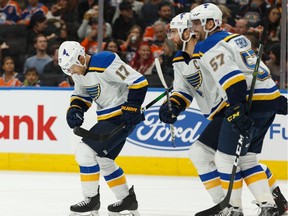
[79,131]
[242,139]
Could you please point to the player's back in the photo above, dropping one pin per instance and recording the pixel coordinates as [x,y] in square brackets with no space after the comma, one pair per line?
[228,56]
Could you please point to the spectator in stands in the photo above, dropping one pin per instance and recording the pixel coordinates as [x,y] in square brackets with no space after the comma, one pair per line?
[254,11]
[156,37]
[10,12]
[166,60]
[34,7]
[132,42]
[149,11]
[89,16]
[136,7]
[143,61]
[114,46]
[274,63]
[165,12]
[41,58]
[3,48]
[37,25]
[127,19]
[242,26]
[9,77]
[84,6]
[31,77]
[90,43]
[52,67]
[227,21]
[69,14]
[274,28]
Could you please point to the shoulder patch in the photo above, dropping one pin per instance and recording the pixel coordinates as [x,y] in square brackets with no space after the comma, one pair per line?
[100,61]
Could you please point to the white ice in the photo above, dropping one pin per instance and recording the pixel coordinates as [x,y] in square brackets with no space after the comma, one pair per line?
[51,194]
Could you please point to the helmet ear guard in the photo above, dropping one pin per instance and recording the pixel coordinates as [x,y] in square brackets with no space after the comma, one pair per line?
[68,55]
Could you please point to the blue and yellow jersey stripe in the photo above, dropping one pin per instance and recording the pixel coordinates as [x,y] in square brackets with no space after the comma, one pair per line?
[86,100]
[231,78]
[185,97]
[265,94]
[109,113]
[139,83]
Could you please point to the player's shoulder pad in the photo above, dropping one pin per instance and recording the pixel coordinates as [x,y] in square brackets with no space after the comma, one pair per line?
[181,56]
[212,40]
[100,61]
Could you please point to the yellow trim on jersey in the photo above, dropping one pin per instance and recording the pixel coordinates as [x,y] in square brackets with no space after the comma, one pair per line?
[182,97]
[196,55]
[230,37]
[178,58]
[88,103]
[237,184]
[98,69]
[93,177]
[233,80]
[266,96]
[255,177]
[109,115]
[220,107]
[118,181]
[212,183]
[139,85]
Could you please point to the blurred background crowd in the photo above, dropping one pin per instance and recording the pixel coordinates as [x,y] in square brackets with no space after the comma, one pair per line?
[31,32]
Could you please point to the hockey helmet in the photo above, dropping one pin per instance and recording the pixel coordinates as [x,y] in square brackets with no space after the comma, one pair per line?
[181,22]
[68,55]
[207,11]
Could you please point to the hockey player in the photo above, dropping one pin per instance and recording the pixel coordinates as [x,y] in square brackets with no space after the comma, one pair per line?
[118,90]
[189,85]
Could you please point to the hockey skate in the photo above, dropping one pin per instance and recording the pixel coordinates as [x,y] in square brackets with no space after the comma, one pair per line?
[280,201]
[127,206]
[230,211]
[88,207]
[267,209]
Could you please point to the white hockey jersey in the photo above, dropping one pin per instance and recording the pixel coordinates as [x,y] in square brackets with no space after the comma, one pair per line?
[230,59]
[107,83]
[191,83]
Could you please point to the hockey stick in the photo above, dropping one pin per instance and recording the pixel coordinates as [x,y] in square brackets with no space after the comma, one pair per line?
[79,131]
[160,74]
[225,202]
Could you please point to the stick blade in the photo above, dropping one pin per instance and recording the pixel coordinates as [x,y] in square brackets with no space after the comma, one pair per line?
[215,209]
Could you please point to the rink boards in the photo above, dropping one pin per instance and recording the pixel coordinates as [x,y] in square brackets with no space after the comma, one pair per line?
[34,136]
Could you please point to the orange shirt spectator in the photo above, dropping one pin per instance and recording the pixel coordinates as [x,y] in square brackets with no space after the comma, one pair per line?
[9,77]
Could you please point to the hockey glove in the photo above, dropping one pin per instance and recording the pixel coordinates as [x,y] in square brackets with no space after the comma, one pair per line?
[238,119]
[131,114]
[166,116]
[75,116]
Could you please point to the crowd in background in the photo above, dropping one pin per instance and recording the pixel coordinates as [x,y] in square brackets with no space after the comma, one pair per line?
[32,31]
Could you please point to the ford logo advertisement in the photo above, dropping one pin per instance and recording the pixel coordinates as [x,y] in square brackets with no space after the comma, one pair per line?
[154,134]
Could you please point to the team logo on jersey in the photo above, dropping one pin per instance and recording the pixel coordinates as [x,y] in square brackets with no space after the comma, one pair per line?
[94,91]
[195,81]
[154,134]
